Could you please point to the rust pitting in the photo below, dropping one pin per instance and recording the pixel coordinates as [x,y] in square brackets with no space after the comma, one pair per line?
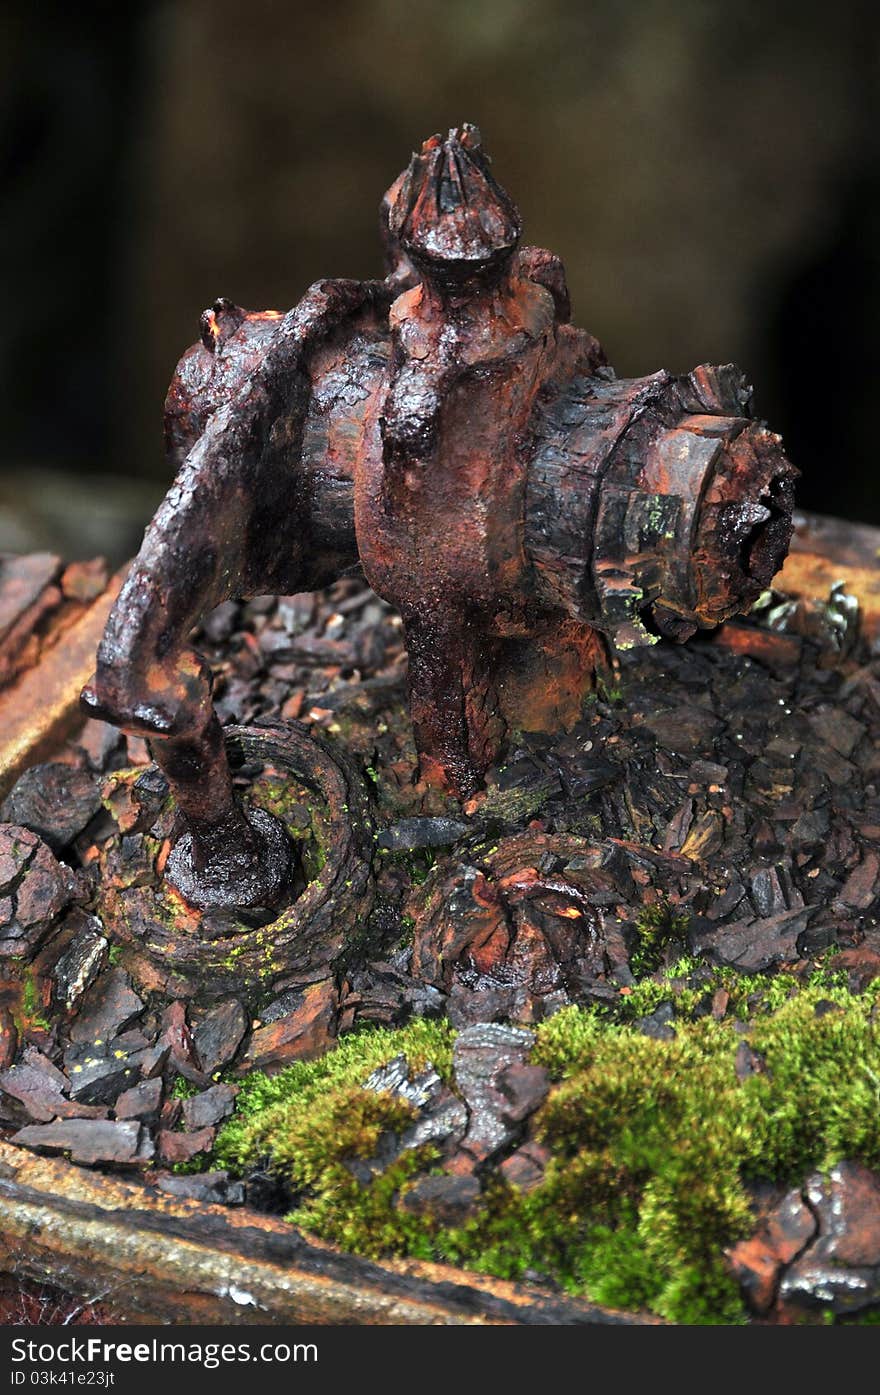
[449,430]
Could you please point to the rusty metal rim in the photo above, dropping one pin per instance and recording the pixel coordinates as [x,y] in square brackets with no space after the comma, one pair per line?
[156,1258]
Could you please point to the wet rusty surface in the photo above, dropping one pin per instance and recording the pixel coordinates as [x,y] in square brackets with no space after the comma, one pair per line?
[43,704]
[166,1259]
[449,430]
[734,782]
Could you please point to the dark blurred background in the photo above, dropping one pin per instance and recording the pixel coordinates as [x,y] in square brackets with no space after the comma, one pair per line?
[707,169]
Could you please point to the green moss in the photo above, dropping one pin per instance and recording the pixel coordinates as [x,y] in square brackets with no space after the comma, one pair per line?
[285,798]
[418,862]
[653,1142]
[660,927]
[291,802]
[115,781]
[279,1113]
[407,932]
[515,805]
[29,998]
[30,1004]
[183,1089]
[191,1167]
[607,690]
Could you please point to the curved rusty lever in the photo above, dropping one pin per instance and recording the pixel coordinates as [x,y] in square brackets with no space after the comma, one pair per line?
[237,521]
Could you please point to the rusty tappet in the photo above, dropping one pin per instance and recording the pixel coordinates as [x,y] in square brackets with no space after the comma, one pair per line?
[448,429]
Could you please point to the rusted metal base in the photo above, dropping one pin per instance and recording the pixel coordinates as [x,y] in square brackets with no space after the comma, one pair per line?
[245,874]
[156,1259]
[208,952]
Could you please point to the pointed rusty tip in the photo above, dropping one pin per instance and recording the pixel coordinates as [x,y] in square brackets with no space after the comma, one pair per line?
[400,272]
[448,213]
[468,135]
[219,322]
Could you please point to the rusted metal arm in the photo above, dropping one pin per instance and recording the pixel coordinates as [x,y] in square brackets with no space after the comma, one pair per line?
[236,522]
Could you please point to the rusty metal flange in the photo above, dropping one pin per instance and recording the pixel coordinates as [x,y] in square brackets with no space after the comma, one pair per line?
[210,953]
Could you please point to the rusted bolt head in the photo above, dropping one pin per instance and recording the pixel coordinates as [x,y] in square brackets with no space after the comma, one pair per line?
[450,216]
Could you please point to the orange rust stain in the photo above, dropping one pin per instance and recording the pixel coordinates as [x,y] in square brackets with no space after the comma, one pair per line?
[810,575]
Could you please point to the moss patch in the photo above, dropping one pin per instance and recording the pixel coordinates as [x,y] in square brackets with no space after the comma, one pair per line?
[314,1118]
[661,929]
[28,1012]
[294,804]
[653,1142]
[283,1113]
[183,1089]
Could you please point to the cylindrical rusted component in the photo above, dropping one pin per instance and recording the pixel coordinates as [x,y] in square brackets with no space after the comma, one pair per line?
[656,504]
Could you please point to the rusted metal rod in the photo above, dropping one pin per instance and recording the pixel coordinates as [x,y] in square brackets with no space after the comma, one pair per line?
[449,429]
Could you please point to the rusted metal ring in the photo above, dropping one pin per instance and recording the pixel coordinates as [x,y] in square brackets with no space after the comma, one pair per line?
[506,940]
[211,953]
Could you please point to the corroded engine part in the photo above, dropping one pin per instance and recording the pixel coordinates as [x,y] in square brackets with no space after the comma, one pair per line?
[452,432]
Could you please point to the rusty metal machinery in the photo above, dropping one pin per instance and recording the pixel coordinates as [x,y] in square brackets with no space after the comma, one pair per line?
[449,430]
